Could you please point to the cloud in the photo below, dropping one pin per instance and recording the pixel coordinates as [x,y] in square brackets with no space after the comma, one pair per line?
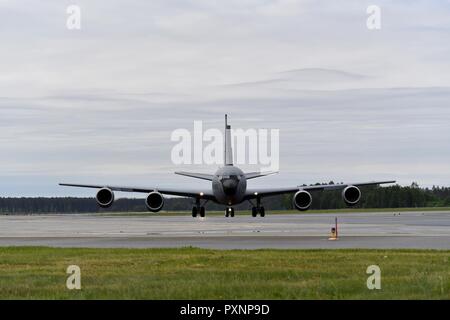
[99,104]
[308,79]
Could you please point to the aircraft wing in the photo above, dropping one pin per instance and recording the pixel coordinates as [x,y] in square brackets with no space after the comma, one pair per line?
[266,192]
[204,194]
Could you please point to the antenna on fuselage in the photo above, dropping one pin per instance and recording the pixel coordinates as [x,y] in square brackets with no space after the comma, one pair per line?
[228,151]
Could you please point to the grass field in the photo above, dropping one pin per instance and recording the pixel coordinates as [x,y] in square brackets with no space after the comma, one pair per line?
[191,273]
[269,212]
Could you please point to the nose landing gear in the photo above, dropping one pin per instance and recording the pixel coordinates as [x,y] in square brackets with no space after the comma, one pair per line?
[229,212]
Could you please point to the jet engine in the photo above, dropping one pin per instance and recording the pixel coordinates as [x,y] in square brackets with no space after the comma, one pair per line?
[154,201]
[351,195]
[105,197]
[302,200]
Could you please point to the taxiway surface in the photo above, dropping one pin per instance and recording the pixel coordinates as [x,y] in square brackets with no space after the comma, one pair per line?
[425,230]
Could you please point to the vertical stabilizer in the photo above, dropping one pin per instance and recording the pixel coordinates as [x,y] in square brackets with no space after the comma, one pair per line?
[228,151]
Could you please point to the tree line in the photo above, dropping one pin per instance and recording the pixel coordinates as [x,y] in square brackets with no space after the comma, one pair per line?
[372,197]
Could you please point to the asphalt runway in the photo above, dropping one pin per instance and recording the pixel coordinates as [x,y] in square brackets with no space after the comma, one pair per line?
[424,230]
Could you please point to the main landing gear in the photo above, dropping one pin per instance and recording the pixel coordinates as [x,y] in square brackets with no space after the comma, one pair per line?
[229,212]
[198,209]
[258,208]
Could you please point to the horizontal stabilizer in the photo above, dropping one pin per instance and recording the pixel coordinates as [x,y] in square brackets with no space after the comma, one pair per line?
[252,175]
[203,176]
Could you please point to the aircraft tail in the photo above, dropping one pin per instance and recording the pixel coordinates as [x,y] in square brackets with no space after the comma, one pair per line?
[228,151]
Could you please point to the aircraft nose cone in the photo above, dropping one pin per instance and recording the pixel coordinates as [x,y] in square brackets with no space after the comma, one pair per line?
[229,186]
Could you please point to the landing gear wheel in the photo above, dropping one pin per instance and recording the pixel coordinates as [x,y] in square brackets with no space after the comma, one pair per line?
[194,212]
[262,212]
[229,212]
[202,212]
[254,212]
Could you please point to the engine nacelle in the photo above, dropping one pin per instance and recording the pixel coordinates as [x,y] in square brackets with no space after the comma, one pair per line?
[351,195]
[154,201]
[302,200]
[105,197]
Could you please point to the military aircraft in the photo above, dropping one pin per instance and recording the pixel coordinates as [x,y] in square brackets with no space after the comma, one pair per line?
[228,187]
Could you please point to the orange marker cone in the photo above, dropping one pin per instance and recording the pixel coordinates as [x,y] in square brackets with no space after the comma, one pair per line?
[334,231]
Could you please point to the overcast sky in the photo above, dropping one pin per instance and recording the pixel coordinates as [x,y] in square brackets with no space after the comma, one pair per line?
[98,105]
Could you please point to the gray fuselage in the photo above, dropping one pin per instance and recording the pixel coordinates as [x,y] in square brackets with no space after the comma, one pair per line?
[229,185]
